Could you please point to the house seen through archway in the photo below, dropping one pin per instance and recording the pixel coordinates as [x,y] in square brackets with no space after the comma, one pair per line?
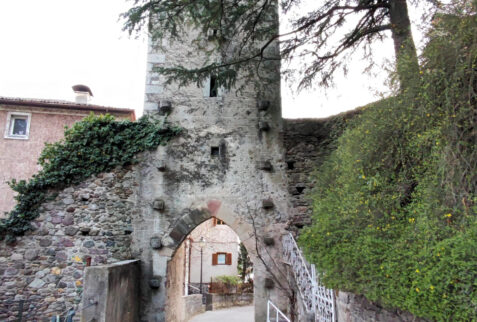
[210,270]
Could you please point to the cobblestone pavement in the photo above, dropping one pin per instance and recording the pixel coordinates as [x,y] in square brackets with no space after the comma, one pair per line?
[233,314]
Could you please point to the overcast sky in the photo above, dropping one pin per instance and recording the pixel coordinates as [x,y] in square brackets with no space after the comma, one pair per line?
[49,45]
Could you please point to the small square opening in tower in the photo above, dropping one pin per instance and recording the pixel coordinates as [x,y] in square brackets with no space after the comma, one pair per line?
[213,86]
[291,165]
[214,151]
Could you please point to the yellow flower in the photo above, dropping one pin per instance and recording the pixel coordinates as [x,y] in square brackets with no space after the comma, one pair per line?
[448,215]
[438,254]
[428,114]
[431,287]
[78,283]
[412,220]
[417,270]
[363,176]
[417,289]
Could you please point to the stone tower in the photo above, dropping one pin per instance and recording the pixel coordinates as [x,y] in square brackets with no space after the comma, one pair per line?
[228,163]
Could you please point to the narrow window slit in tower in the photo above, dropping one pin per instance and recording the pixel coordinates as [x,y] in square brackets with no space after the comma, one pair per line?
[291,165]
[213,86]
[214,151]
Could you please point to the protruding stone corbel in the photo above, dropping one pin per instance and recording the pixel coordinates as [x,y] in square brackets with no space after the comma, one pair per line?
[268,240]
[159,204]
[265,165]
[155,243]
[155,282]
[263,126]
[267,204]
[269,283]
[165,107]
[263,105]
[161,165]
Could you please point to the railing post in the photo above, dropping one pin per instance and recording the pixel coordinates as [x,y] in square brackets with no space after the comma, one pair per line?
[268,311]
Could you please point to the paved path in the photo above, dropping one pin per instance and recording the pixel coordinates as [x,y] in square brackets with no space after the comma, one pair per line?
[233,314]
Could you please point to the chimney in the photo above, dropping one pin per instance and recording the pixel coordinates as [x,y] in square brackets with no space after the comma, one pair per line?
[82,94]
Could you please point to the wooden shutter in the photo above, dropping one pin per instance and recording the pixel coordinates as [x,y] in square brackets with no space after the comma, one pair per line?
[214,221]
[228,259]
[214,259]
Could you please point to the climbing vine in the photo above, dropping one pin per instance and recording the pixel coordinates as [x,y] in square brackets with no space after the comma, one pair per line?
[94,145]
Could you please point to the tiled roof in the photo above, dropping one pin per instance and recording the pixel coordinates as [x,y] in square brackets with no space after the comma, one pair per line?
[63,104]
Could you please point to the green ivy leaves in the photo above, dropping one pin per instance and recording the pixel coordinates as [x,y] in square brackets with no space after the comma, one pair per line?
[94,145]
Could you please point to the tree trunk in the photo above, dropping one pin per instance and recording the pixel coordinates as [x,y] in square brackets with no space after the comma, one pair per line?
[404,48]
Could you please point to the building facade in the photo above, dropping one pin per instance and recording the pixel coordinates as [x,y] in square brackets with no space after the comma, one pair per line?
[28,124]
[214,246]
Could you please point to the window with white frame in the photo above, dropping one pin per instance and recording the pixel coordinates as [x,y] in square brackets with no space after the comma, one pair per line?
[18,125]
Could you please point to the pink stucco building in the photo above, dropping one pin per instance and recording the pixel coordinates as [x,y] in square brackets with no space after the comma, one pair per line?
[26,124]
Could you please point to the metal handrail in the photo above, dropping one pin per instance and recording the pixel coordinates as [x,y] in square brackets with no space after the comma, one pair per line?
[279,316]
[317,299]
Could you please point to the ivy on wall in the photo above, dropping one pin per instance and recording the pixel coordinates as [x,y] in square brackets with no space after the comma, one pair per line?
[395,204]
[94,145]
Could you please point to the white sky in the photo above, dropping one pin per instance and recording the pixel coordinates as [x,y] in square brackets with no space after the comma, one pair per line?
[49,45]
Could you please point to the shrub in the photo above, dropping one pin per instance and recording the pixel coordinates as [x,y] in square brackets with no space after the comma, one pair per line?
[394,207]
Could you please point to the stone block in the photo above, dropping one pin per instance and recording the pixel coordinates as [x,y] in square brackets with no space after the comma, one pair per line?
[31,254]
[155,243]
[263,126]
[177,235]
[165,107]
[37,283]
[265,165]
[269,283]
[68,220]
[156,58]
[267,204]
[199,216]
[153,89]
[263,105]
[269,241]
[71,230]
[161,165]
[155,282]
[159,204]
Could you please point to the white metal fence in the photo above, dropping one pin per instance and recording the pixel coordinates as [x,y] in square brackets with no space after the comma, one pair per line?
[274,314]
[317,299]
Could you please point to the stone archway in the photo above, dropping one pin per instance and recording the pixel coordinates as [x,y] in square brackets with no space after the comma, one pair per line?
[182,227]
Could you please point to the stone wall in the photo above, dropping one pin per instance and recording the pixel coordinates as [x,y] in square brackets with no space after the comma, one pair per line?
[305,144]
[45,267]
[356,308]
[176,271]
[222,301]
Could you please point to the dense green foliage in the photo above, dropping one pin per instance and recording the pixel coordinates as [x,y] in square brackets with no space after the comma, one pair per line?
[229,280]
[94,145]
[244,263]
[395,204]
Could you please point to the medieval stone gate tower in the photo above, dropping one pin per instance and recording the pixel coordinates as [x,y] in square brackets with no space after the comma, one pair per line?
[228,163]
